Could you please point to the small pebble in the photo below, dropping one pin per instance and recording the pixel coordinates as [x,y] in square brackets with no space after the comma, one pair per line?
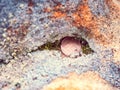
[4,35]
[21,6]
[71,47]
[10,15]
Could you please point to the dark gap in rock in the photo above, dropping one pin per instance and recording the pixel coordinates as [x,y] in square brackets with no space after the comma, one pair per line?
[5,62]
[50,46]
[18,85]
[56,45]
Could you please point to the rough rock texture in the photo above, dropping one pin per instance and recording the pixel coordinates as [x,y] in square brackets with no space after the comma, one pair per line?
[86,81]
[25,25]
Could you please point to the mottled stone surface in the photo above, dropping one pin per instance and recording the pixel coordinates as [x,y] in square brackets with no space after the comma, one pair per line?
[86,81]
[25,25]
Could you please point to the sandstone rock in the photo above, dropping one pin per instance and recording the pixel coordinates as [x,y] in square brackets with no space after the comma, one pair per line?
[86,81]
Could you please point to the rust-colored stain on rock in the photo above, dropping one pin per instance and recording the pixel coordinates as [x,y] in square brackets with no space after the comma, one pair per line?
[59,14]
[19,32]
[81,17]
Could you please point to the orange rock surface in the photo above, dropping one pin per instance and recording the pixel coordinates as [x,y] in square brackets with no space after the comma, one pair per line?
[86,81]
